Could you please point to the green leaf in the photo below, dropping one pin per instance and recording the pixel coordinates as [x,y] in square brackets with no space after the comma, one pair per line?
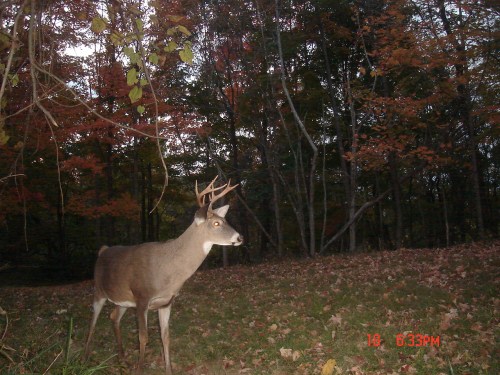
[135,9]
[128,51]
[186,54]
[184,30]
[132,55]
[143,82]
[135,94]
[3,137]
[116,38]
[99,24]
[154,19]
[111,12]
[140,25]
[174,18]
[171,31]
[4,40]
[140,109]
[172,46]
[153,58]
[132,77]
[14,80]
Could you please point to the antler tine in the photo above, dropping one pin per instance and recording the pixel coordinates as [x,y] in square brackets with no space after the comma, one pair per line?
[200,197]
[227,188]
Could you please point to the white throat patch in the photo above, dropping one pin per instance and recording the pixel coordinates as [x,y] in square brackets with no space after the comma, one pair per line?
[207,246]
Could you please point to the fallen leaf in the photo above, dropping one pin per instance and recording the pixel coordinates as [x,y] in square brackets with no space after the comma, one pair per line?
[336,319]
[286,353]
[329,367]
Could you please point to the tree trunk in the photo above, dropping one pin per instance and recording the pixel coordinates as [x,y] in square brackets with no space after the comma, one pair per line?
[305,133]
[396,193]
[150,205]
[346,177]
[135,236]
[464,104]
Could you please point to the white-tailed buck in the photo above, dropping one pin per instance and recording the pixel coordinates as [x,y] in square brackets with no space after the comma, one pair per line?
[149,276]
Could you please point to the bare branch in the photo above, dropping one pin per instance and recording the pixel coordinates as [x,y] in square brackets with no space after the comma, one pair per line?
[13,48]
[11,175]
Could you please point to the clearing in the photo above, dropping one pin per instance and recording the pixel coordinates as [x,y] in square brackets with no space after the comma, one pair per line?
[422,311]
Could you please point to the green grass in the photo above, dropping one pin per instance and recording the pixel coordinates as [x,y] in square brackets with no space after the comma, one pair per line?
[287,317]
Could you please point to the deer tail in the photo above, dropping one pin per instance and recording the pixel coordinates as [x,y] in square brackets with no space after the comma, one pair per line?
[104,247]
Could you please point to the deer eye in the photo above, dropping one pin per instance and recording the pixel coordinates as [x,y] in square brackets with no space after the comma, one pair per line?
[216,223]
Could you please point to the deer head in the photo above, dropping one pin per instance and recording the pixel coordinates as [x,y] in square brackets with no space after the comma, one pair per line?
[217,230]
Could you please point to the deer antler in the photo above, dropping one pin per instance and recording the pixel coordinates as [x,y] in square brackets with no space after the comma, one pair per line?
[210,189]
[200,197]
[227,188]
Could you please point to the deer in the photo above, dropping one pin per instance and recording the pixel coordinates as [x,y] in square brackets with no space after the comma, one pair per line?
[150,275]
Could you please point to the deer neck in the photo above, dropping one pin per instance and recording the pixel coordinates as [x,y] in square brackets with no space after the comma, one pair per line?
[189,250]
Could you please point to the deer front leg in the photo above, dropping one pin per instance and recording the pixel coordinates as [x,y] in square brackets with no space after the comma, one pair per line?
[116,316]
[142,318]
[164,317]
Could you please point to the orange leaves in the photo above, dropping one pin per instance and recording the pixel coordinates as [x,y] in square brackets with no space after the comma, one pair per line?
[403,57]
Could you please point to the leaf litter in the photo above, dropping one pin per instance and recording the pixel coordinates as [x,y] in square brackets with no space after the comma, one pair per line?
[308,316]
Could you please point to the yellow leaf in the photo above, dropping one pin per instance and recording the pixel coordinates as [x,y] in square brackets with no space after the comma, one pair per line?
[184,30]
[3,137]
[186,54]
[175,18]
[329,367]
[135,94]
[172,46]
[116,38]
[132,77]
[99,24]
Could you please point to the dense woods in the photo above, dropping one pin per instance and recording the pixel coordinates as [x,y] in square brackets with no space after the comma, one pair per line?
[348,125]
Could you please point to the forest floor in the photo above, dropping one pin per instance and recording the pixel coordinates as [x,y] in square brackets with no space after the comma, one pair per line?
[419,311]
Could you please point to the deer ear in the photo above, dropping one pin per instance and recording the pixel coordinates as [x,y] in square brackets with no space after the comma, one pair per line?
[201,215]
[221,211]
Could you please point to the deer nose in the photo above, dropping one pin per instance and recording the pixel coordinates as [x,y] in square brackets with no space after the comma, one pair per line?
[239,240]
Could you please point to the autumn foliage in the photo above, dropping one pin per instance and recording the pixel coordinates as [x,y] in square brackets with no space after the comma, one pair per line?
[348,126]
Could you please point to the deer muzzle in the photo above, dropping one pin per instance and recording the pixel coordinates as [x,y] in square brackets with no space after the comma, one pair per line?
[237,239]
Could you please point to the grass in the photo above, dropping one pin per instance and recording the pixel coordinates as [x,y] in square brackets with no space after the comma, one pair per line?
[287,317]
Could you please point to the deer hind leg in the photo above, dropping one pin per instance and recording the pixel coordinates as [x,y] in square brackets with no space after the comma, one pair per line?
[116,316]
[164,317]
[97,306]
[142,318]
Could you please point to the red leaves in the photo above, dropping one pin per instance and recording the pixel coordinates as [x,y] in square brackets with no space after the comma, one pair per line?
[123,206]
[77,164]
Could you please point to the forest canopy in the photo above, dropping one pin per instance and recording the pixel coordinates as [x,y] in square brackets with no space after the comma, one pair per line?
[348,125]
